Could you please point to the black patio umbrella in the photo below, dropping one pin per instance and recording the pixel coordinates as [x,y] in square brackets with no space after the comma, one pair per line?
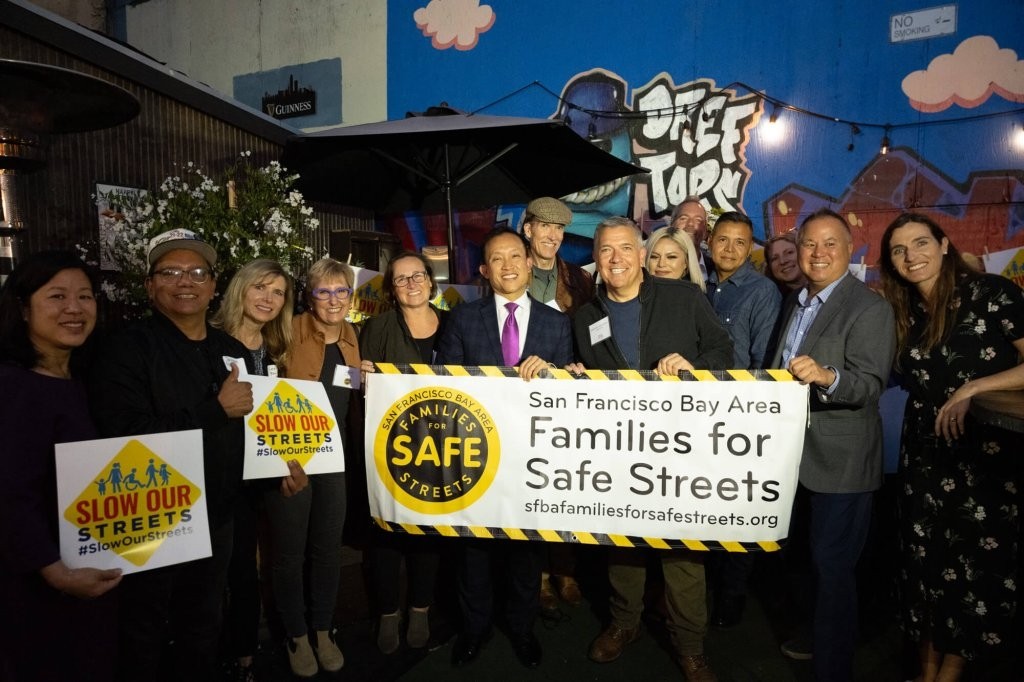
[445,159]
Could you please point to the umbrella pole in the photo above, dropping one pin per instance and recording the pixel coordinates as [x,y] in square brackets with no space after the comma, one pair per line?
[446,187]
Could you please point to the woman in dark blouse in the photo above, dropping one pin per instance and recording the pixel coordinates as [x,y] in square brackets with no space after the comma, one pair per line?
[58,623]
[405,334]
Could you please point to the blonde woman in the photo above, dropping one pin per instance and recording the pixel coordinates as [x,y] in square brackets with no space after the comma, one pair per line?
[672,255]
[257,311]
[307,527]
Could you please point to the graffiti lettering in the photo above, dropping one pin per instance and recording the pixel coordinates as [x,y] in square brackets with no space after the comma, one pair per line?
[694,139]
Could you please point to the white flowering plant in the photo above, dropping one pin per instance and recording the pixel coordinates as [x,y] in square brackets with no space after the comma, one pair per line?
[247,213]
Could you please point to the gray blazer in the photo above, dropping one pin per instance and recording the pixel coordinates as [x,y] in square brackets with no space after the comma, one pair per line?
[855,333]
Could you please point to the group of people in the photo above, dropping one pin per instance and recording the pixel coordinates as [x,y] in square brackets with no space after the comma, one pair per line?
[684,300]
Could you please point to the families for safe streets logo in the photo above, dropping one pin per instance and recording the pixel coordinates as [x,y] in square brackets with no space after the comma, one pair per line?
[437,450]
[134,502]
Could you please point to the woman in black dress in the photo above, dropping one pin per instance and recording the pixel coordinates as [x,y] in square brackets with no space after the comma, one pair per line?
[960,334]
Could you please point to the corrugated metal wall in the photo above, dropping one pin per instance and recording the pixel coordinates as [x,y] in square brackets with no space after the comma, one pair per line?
[56,203]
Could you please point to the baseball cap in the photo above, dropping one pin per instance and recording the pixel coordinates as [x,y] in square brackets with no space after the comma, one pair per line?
[179,239]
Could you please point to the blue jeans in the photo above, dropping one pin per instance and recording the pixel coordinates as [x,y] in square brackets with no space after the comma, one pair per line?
[307,525]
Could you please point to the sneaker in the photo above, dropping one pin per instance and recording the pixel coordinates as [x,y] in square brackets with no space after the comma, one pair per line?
[419,628]
[609,644]
[798,648]
[301,658]
[331,658]
[548,598]
[387,633]
[697,669]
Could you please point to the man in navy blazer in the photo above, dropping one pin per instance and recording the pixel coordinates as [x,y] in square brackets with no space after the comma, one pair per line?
[474,337]
[839,337]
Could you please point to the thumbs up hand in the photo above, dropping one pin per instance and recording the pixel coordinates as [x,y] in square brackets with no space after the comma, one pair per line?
[235,396]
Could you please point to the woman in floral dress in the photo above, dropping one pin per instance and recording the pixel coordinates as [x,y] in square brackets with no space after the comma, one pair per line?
[959,334]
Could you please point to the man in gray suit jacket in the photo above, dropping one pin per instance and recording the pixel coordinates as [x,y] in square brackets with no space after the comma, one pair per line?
[839,337]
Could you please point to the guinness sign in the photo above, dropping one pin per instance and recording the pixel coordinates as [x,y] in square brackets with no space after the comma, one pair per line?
[290,102]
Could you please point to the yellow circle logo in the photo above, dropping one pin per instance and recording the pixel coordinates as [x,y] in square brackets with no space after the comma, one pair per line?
[436,450]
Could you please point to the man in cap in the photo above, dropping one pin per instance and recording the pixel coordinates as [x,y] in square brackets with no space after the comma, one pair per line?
[556,283]
[169,373]
[566,287]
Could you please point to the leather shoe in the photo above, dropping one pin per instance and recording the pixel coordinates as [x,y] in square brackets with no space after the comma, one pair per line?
[466,650]
[527,650]
[548,598]
[728,612]
[569,590]
[697,669]
[609,644]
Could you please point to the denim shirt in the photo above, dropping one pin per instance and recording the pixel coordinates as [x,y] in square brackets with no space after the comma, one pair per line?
[747,304]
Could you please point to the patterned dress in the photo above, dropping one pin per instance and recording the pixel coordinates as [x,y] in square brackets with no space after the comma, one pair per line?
[958,512]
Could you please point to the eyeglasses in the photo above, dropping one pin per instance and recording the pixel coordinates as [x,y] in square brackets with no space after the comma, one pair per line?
[322,294]
[683,219]
[415,278]
[196,275]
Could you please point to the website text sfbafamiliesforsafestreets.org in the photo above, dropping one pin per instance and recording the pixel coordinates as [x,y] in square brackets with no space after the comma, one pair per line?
[663,514]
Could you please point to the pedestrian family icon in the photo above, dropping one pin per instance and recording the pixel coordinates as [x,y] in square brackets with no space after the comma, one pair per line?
[130,514]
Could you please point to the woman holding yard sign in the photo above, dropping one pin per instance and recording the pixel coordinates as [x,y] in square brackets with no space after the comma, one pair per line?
[59,622]
[257,311]
[308,526]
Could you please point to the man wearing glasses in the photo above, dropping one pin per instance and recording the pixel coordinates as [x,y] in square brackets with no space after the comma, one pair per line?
[167,373]
[692,218]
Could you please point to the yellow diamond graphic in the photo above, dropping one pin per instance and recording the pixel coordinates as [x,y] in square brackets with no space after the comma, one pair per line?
[1014,270]
[133,504]
[291,425]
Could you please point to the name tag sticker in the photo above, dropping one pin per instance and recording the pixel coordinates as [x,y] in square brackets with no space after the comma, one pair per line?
[230,361]
[600,330]
[347,377]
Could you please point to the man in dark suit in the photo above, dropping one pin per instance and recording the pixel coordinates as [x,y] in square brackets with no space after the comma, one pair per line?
[507,328]
[838,336]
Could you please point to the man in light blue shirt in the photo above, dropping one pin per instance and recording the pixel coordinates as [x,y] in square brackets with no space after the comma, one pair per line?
[747,304]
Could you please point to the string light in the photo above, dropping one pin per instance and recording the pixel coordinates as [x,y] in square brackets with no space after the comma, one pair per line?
[885,142]
[676,110]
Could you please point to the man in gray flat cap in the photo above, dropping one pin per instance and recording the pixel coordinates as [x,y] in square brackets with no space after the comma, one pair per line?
[555,283]
[566,287]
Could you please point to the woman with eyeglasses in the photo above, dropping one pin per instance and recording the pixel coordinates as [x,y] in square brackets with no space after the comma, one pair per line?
[306,528]
[959,334]
[407,333]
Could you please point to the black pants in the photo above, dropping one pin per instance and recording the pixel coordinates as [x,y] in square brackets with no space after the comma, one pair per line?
[180,603]
[521,562]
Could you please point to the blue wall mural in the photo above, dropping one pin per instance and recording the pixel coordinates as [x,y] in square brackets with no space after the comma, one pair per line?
[771,108]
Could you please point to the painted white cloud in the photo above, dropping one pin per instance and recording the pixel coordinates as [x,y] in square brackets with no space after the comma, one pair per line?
[454,23]
[968,77]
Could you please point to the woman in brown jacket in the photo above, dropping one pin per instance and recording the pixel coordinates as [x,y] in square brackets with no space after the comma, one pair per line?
[309,525]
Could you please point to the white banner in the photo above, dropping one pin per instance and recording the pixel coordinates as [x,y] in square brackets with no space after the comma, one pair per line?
[291,419]
[687,462]
[133,503]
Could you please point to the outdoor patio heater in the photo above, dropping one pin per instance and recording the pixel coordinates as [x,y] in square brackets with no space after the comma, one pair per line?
[37,100]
